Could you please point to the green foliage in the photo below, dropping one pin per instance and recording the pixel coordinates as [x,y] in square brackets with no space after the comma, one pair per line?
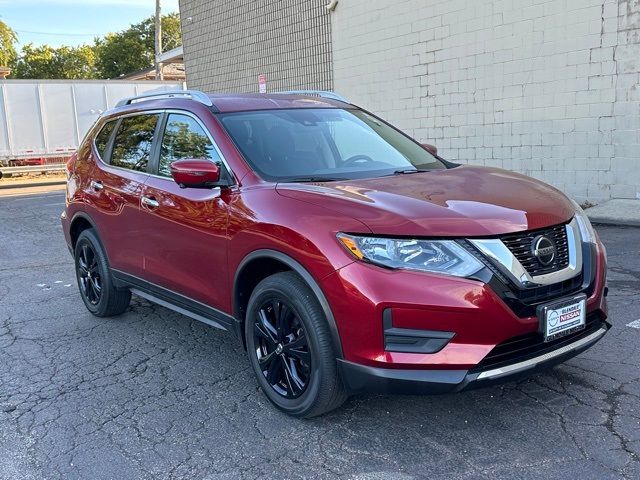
[63,62]
[114,55]
[133,49]
[7,49]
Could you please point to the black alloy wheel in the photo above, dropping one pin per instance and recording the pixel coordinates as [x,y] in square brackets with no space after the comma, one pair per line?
[282,348]
[89,274]
[290,347]
[95,281]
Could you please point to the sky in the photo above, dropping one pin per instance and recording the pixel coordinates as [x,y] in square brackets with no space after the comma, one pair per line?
[74,22]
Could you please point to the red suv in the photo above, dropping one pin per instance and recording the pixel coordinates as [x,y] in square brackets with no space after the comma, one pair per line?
[345,256]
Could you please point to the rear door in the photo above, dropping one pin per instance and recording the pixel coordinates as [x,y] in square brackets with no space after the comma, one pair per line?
[116,187]
[185,228]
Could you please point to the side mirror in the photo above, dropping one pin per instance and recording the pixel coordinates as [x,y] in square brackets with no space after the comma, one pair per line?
[431,149]
[196,173]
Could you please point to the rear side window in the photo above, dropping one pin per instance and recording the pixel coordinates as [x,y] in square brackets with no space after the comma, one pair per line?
[132,145]
[184,138]
[102,139]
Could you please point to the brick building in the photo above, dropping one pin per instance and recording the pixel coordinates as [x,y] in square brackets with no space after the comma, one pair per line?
[550,88]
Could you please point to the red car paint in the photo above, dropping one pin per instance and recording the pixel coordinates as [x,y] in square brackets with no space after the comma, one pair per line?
[196,240]
[479,317]
[465,201]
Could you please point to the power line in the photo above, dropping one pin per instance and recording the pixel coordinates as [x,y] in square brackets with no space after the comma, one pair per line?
[62,34]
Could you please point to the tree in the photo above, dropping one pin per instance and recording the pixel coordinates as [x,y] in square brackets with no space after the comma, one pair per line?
[132,49]
[110,57]
[7,40]
[63,62]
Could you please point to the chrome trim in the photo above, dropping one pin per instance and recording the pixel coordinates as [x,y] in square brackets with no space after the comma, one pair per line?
[96,185]
[160,112]
[150,202]
[496,372]
[195,95]
[319,93]
[118,116]
[509,265]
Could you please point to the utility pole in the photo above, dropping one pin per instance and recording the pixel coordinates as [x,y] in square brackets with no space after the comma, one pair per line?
[158,41]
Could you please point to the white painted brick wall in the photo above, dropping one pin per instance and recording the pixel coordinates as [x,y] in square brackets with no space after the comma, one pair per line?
[550,88]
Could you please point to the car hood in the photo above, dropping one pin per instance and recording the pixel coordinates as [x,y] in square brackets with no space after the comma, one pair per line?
[465,201]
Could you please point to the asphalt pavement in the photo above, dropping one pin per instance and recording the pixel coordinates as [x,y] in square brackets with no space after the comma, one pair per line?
[153,394]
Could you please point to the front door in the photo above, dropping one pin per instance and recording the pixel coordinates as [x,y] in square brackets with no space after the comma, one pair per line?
[185,228]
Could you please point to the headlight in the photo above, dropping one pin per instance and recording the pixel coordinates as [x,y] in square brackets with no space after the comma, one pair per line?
[587,232]
[437,256]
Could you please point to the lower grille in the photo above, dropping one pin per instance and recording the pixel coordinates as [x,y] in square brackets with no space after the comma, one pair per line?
[542,294]
[518,349]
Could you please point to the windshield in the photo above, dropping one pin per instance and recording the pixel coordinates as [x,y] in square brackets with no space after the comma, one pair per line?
[324,144]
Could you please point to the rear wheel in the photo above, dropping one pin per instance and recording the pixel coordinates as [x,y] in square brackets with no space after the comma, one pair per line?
[290,347]
[94,278]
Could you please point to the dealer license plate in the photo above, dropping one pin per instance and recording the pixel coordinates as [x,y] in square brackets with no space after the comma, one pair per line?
[563,317]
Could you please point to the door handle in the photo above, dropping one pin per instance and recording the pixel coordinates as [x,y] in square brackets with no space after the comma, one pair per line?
[150,202]
[97,186]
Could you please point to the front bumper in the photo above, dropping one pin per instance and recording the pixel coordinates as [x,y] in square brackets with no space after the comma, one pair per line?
[410,332]
[361,378]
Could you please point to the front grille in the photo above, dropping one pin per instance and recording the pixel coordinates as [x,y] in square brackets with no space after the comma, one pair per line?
[518,349]
[524,301]
[521,245]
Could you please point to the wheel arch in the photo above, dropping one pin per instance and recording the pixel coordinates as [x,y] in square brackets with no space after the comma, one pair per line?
[80,222]
[244,283]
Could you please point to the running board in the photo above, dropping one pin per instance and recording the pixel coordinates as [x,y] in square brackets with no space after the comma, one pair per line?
[175,308]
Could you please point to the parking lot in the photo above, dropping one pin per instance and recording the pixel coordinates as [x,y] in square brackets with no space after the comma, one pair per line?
[153,394]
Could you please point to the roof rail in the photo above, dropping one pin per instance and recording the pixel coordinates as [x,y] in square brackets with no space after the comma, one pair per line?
[196,95]
[319,93]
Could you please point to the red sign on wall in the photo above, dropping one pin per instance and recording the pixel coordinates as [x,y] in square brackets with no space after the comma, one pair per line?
[262,83]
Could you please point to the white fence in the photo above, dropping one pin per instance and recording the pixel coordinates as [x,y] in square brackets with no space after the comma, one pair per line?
[48,118]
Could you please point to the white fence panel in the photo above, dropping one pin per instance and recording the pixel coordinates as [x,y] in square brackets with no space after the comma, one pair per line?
[23,114]
[50,117]
[58,117]
[5,146]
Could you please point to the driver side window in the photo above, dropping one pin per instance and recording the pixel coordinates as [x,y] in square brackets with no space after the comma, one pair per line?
[132,145]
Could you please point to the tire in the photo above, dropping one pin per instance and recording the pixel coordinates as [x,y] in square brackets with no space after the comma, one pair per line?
[95,282]
[308,338]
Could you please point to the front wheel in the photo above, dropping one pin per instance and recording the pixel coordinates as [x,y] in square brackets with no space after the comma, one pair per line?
[290,347]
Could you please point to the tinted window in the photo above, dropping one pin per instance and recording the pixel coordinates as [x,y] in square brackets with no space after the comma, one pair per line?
[184,138]
[103,137]
[132,145]
[326,144]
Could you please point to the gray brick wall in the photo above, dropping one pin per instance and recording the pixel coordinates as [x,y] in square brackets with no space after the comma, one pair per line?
[549,88]
[228,44]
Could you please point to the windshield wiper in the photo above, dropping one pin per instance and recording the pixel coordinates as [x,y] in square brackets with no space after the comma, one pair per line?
[313,179]
[408,171]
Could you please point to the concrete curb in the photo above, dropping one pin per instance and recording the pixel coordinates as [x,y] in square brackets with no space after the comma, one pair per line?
[614,221]
[618,211]
[34,184]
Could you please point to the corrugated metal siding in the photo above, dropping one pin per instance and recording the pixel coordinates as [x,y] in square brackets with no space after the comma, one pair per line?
[228,44]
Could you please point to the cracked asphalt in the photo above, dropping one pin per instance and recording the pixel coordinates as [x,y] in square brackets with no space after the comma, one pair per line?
[153,394]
